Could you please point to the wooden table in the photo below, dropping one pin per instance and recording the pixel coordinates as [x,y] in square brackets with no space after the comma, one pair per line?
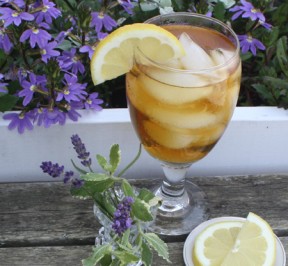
[41,224]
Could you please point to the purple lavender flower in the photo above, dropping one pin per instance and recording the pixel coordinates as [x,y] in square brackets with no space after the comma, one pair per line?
[48,51]
[22,121]
[247,10]
[70,61]
[122,220]
[47,12]
[5,42]
[48,117]
[100,20]
[53,170]
[68,176]
[80,149]
[247,42]
[73,91]
[36,36]
[2,84]
[127,5]
[92,102]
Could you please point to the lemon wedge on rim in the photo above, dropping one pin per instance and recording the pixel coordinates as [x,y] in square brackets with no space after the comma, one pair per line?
[230,243]
[113,55]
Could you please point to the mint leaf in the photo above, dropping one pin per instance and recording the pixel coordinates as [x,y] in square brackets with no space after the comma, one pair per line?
[127,188]
[125,257]
[158,245]
[95,177]
[115,157]
[141,210]
[103,163]
[98,254]
[146,254]
[146,195]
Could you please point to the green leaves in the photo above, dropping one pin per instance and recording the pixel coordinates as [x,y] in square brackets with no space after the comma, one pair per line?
[141,210]
[7,102]
[282,54]
[98,254]
[158,245]
[114,159]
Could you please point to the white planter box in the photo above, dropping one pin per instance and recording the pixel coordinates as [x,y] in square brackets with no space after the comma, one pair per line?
[254,143]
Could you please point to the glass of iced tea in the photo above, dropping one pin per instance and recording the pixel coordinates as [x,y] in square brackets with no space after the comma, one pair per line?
[180,110]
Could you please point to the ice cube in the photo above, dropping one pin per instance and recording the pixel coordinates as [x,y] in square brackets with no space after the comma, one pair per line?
[170,94]
[168,137]
[195,57]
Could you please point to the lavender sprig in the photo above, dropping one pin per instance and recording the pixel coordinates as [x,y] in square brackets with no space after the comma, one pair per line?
[80,149]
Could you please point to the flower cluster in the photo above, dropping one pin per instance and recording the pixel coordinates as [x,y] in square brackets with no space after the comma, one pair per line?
[45,48]
[122,220]
[123,210]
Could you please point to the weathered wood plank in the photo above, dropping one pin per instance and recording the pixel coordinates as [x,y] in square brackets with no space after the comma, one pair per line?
[44,214]
[72,255]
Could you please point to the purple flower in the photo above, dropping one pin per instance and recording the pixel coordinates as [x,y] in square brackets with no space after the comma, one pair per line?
[87,49]
[53,170]
[126,4]
[80,149]
[265,24]
[48,117]
[92,102]
[122,220]
[11,16]
[100,20]
[22,121]
[247,10]
[48,51]
[36,36]
[247,42]
[36,82]
[68,176]
[70,61]
[5,42]
[19,3]
[73,91]
[47,12]
[3,85]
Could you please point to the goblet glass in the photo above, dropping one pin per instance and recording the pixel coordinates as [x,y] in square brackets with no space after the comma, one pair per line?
[180,109]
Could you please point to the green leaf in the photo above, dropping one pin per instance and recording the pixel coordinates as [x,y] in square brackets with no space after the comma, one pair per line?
[103,163]
[127,188]
[146,254]
[158,245]
[89,188]
[146,195]
[115,157]
[95,177]
[125,238]
[125,257]
[98,254]
[282,54]
[7,102]
[141,210]
[219,11]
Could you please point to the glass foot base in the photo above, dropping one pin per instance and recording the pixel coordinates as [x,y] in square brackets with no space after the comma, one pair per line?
[180,215]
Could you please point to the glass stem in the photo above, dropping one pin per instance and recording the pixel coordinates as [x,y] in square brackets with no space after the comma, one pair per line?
[174,182]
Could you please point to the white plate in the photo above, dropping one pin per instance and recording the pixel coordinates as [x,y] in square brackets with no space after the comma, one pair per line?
[189,243]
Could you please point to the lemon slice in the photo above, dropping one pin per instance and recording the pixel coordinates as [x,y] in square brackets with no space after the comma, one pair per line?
[220,244]
[113,56]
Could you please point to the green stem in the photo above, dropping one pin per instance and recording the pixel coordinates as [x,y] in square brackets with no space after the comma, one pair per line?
[133,161]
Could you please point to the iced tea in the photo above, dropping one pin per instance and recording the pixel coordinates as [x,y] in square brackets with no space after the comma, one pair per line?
[181,109]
